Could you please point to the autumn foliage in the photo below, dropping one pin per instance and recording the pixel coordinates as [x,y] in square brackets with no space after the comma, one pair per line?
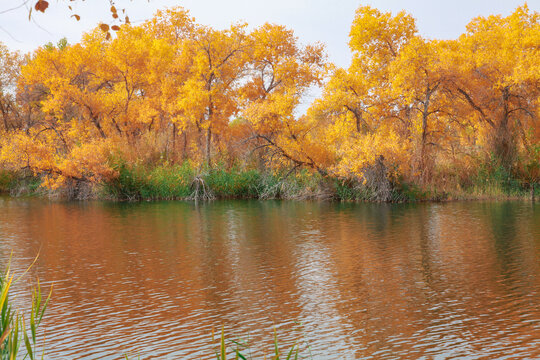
[170,91]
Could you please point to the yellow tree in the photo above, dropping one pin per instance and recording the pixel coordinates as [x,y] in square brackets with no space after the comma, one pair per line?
[366,119]
[280,72]
[69,82]
[498,84]
[419,78]
[134,63]
[176,27]
[362,91]
[101,82]
[208,97]
[89,98]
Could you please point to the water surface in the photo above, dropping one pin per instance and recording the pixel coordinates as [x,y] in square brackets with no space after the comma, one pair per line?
[346,281]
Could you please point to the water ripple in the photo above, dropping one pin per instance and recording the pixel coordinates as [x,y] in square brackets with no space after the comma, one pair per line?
[344,281]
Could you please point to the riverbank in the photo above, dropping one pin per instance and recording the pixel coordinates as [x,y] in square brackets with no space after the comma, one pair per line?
[183,182]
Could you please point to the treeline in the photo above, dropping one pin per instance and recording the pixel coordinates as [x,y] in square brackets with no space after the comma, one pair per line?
[189,102]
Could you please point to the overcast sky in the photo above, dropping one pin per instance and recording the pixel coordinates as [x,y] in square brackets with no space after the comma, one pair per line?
[327,21]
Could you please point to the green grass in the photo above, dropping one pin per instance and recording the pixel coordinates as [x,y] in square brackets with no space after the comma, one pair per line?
[497,181]
[7,180]
[166,181]
[141,182]
[234,183]
[351,190]
[493,181]
[19,183]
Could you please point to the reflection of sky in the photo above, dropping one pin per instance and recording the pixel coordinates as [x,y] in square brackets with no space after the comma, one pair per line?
[318,291]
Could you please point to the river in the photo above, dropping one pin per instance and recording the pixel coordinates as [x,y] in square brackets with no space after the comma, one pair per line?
[342,280]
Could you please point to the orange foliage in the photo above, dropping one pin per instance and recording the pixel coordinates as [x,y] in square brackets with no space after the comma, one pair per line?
[423,104]
[171,89]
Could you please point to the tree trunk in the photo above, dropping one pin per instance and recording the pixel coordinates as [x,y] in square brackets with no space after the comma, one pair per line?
[174,143]
[5,122]
[174,137]
[4,116]
[503,144]
[358,118]
[184,149]
[208,146]
[376,177]
[423,144]
[425,115]
[100,129]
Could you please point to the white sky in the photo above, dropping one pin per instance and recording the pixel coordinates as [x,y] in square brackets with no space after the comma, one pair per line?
[327,21]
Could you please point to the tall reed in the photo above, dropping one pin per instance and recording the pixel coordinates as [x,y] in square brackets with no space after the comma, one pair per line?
[14,328]
[238,350]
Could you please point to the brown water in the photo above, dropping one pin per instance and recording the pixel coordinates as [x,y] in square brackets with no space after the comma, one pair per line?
[347,281]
